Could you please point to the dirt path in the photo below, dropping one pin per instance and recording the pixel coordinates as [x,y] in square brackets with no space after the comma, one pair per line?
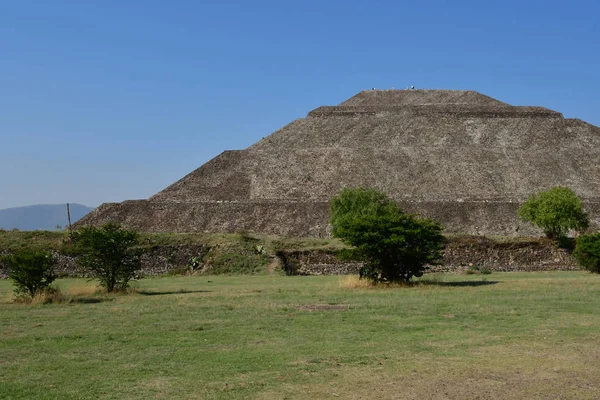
[273,265]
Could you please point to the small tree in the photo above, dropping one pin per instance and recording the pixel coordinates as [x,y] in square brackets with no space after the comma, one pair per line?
[555,211]
[110,254]
[587,252]
[394,245]
[31,271]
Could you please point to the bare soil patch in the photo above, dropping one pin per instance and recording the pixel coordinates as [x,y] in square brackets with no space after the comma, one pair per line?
[323,307]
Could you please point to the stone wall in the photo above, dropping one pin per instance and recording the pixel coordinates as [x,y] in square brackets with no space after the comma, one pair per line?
[507,255]
[316,263]
[156,261]
[521,254]
[460,253]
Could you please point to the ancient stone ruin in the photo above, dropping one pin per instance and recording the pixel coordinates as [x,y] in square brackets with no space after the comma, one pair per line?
[460,157]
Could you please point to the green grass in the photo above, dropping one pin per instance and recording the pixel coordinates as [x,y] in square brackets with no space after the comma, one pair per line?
[506,335]
[272,243]
[34,240]
[15,240]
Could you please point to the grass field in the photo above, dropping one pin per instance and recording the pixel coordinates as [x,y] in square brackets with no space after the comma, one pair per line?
[505,335]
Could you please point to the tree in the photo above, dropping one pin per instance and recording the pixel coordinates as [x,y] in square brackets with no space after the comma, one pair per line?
[555,211]
[587,252]
[395,246]
[110,254]
[31,271]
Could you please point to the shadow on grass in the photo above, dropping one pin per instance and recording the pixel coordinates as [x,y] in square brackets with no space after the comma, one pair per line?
[463,283]
[150,293]
[90,300]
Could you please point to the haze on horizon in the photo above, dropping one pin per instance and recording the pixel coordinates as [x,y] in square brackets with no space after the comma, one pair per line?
[107,101]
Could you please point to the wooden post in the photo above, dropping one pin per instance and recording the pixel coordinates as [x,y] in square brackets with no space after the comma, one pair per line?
[69,218]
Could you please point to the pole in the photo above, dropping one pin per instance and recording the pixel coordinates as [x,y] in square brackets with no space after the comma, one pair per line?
[69,218]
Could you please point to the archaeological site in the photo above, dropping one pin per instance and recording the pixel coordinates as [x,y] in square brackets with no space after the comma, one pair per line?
[460,157]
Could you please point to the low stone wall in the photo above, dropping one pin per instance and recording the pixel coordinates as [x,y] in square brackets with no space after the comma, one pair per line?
[316,263]
[461,252]
[156,261]
[509,255]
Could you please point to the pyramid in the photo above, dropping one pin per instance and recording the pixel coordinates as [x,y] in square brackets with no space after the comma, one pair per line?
[460,157]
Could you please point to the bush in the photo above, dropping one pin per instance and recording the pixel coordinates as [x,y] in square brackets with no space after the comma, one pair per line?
[110,254]
[395,246]
[50,295]
[290,264]
[193,264]
[475,270]
[31,271]
[555,211]
[472,270]
[587,252]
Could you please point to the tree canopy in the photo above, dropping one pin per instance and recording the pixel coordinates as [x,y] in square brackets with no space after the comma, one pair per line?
[587,252]
[31,271]
[394,245]
[110,254]
[555,211]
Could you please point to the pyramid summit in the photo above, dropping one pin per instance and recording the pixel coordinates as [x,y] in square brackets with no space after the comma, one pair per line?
[460,157]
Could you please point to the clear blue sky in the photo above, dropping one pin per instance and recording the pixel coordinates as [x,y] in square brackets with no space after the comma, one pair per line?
[111,100]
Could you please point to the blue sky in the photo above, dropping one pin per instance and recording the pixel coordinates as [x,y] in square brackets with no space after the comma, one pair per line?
[110,100]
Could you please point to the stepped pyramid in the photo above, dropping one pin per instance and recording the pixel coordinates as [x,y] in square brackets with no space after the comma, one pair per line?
[460,157]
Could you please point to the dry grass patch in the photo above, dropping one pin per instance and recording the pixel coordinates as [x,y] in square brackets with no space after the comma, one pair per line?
[324,307]
[83,289]
[51,295]
[75,292]
[354,282]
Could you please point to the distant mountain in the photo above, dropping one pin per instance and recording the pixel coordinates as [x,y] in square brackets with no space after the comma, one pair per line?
[42,216]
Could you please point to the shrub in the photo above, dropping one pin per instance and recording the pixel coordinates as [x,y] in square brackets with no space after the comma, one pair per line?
[472,270]
[46,296]
[587,252]
[475,270]
[555,211]
[290,264]
[194,264]
[31,271]
[110,254]
[395,246]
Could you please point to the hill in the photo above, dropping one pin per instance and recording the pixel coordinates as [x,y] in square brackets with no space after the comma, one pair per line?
[458,156]
[41,216]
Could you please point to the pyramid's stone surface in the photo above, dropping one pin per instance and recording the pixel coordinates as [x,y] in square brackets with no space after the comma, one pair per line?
[457,156]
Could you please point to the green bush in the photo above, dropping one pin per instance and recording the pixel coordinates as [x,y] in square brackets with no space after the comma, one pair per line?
[110,253]
[587,252]
[475,270]
[31,271]
[290,264]
[395,246]
[472,270]
[555,211]
[194,264]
